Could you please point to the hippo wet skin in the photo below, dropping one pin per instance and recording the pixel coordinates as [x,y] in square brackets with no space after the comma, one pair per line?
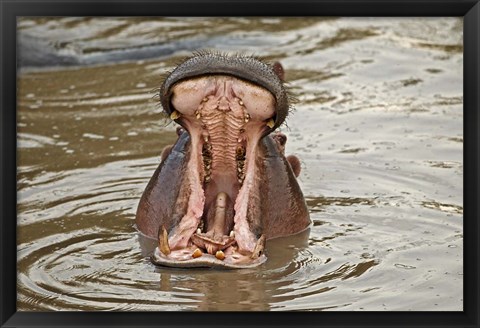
[225,186]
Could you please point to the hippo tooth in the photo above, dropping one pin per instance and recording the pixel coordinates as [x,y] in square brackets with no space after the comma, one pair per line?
[240,151]
[205,99]
[197,253]
[199,231]
[175,115]
[271,123]
[232,234]
[259,246]
[163,241]
[197,114]
[240,102]
[247,118]
[220,255]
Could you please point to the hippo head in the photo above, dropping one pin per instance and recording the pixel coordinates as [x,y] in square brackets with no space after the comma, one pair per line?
[225,187]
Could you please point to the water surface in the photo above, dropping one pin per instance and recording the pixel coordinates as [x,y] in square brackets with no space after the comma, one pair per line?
[378,127]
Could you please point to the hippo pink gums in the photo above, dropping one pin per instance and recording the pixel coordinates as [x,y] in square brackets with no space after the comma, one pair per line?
[225,186]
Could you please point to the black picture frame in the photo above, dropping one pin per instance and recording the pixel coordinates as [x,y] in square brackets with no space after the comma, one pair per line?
[468,9]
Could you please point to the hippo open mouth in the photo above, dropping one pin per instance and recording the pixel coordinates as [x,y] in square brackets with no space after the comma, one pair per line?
[212,201]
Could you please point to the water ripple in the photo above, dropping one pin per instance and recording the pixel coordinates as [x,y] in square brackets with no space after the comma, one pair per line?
[377,127]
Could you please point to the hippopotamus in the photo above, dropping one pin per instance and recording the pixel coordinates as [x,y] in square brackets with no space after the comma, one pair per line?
[225,187]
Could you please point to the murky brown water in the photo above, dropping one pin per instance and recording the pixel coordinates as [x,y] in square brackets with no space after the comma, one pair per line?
[378,127]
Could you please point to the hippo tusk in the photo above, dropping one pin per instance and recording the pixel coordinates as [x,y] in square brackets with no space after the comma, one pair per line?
[259,246]
[163,241]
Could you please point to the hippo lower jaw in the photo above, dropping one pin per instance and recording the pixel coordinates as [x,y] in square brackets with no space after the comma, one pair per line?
[221,225]
[193,256]
[212,248]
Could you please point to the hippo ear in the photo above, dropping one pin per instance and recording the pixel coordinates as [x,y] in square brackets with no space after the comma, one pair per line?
[278,69]
[283,98]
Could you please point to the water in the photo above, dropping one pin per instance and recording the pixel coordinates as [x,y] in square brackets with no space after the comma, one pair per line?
[378,127]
